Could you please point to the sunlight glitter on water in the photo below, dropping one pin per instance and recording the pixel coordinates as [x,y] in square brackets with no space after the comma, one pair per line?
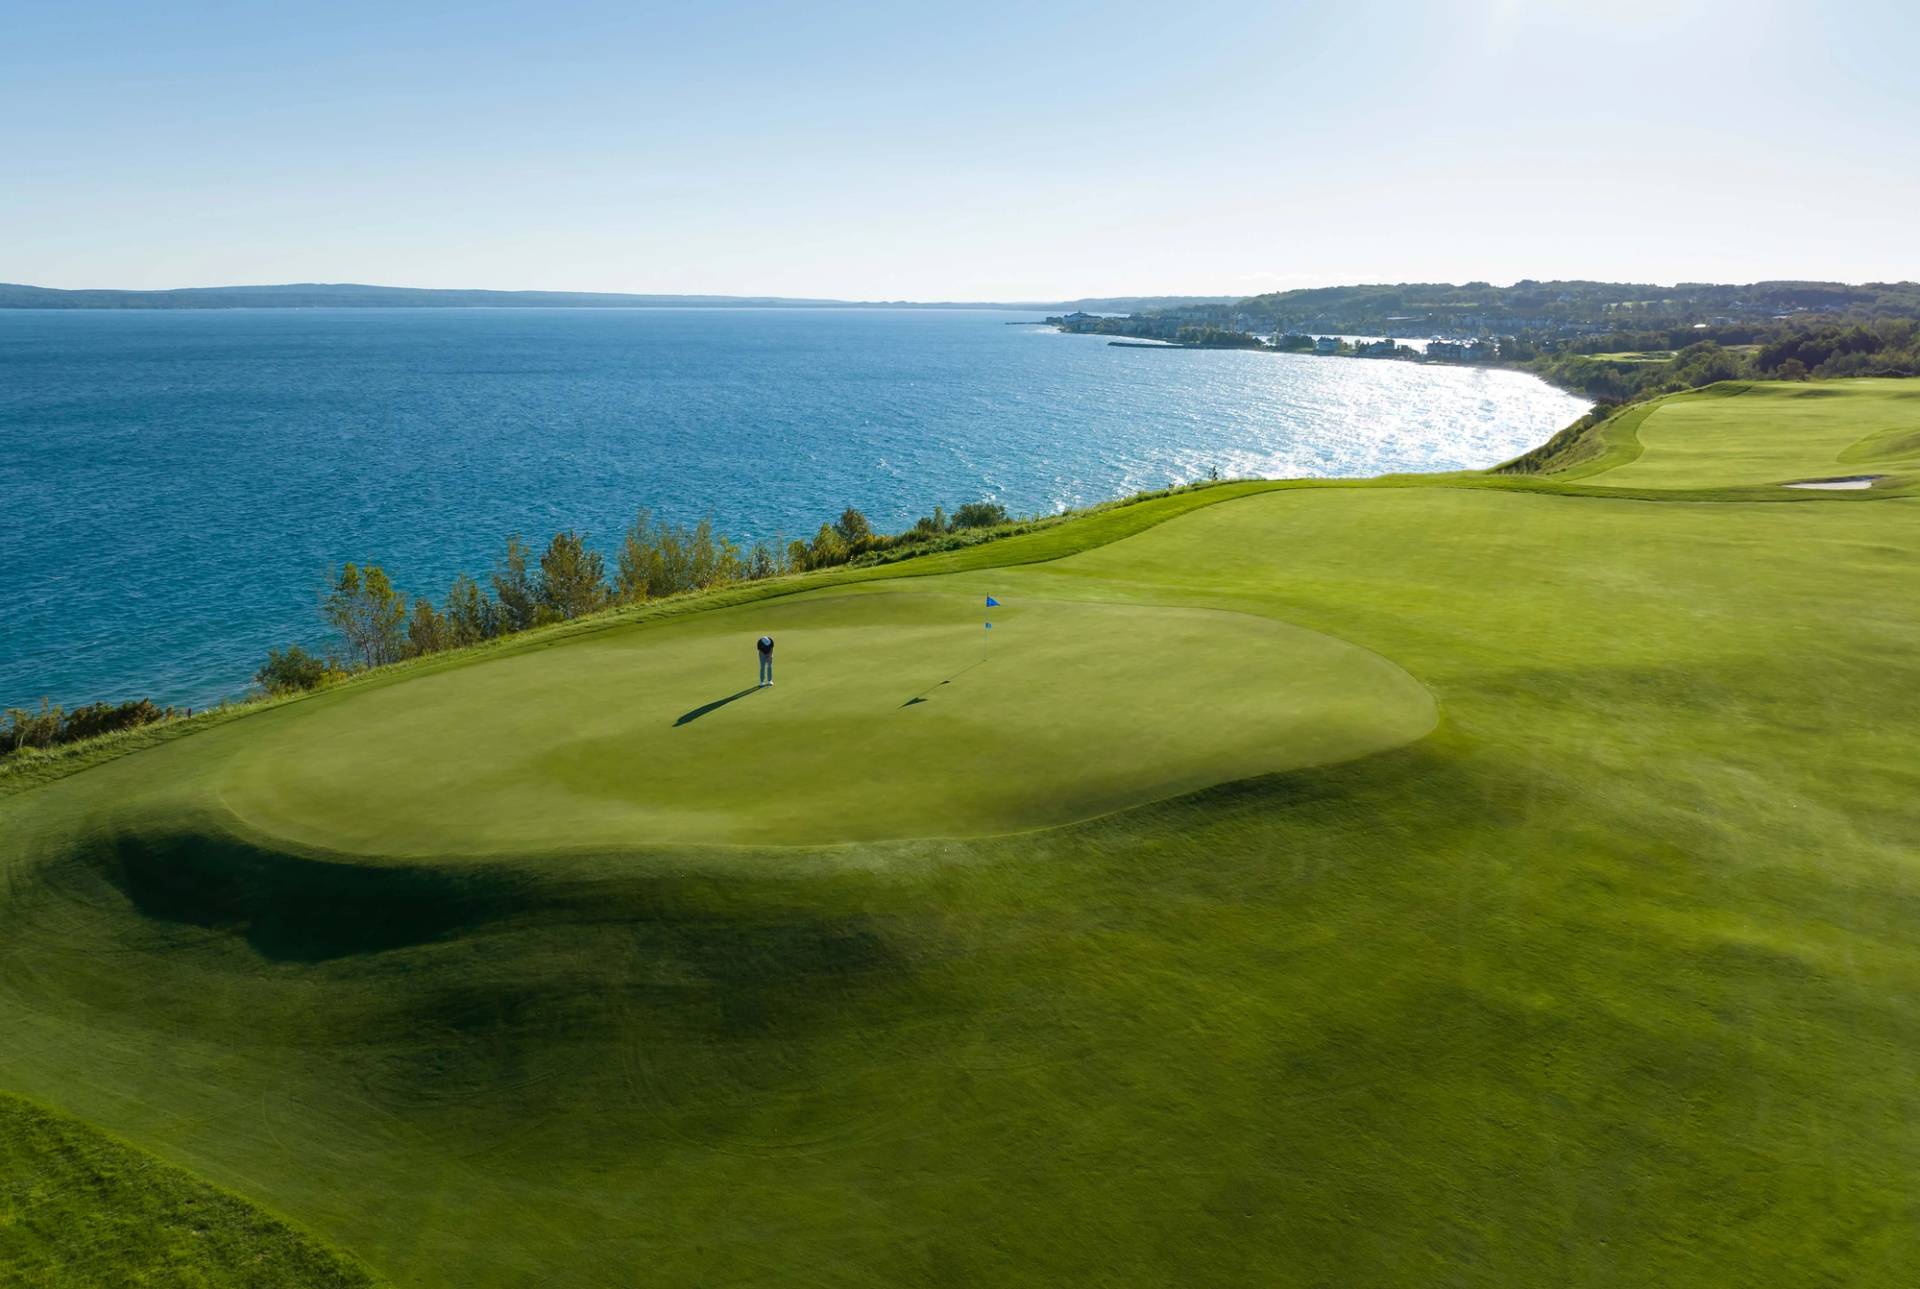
[182,482]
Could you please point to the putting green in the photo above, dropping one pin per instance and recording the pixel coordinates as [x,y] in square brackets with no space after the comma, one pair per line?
[894,715]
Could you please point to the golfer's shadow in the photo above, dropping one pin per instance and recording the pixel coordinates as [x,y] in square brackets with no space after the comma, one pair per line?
[687,718]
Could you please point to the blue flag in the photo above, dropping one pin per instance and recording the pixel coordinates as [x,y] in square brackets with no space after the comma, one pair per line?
[992,603]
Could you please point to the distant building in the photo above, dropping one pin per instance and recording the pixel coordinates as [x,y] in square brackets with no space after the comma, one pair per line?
[1377,348]
[1451,350]
[1327,345]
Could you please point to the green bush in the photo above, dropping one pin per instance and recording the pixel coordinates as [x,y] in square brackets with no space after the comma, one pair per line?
[980,514]
[106,718]
[52,725]
[292,670]
[573,579]
[27,728]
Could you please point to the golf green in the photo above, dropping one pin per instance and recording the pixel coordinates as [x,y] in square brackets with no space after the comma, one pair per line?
[892,715]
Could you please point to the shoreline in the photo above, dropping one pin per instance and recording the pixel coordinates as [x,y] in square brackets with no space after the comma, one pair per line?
[1413,356]
[216,658]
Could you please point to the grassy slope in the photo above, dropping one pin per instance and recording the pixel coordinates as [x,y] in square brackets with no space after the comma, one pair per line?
[1610,980]
[78,1208]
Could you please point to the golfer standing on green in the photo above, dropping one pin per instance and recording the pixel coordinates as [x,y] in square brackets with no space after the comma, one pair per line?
[766,661]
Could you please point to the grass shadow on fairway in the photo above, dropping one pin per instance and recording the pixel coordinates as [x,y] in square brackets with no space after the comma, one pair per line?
[687,718]
[290,908]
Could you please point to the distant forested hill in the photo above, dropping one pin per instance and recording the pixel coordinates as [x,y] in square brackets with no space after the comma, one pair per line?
[1610,341]
[1445,308]
[336,295]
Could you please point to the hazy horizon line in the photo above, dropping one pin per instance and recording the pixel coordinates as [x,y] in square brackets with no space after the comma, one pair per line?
[1034,299]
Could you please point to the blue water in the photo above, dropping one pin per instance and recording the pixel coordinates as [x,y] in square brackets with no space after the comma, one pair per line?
[177,484]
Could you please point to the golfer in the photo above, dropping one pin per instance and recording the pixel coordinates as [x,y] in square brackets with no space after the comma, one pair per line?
[766,661]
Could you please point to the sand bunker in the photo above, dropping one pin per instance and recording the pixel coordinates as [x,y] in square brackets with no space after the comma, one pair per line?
[1838,485]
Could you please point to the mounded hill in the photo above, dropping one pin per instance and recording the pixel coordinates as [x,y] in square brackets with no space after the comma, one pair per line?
[1495,879]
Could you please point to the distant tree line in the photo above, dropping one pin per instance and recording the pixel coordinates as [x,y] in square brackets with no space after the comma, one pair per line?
[1627,363]
[1561,309]
[1884,347]
[1785,351]
[1623,380]
[1612,342]
[1211,337]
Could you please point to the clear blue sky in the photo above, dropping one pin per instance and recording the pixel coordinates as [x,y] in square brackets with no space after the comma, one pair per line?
[965,151]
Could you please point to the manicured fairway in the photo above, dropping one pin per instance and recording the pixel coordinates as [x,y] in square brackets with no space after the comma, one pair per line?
[77,1208]
[1611,977]
[1778,433]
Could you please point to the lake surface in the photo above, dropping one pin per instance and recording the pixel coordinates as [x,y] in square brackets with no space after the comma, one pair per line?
[177,484]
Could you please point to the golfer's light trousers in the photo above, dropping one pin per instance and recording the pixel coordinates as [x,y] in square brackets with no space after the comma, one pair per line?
[766,669]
